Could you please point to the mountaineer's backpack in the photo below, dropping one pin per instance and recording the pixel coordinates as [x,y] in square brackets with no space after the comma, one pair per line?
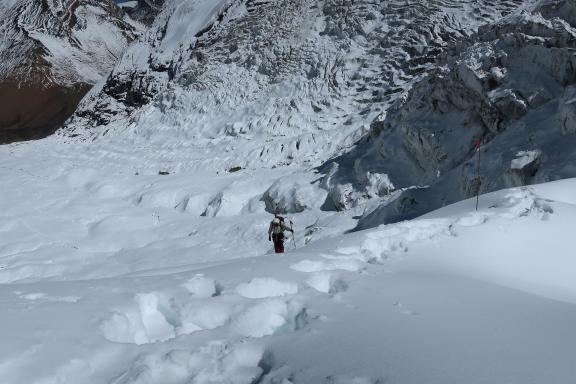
[277,226]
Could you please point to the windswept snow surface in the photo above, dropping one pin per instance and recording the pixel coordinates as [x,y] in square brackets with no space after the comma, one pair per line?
[112,273]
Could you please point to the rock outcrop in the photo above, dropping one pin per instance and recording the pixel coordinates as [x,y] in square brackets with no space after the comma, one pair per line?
[144,11]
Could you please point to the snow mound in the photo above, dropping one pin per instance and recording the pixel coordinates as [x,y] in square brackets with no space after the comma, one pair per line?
[327,282]
[210,315]
[215,362]
[285,196]
[270,317]
[393,240]
[260,288]
[160,317]
[202,287]
[149,323]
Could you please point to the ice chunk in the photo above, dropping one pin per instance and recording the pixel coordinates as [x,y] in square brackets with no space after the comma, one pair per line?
[326,282]
[202,287]
[525,158]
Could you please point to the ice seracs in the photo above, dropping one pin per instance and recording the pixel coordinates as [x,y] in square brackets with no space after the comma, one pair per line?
[511,85]
[273,84]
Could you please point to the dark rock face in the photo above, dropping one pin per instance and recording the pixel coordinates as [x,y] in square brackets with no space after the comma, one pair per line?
[33,112]
[146,11]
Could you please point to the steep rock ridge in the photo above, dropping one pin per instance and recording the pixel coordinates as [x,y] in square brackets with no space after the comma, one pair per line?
[51,53]
[513,87]
[290,80]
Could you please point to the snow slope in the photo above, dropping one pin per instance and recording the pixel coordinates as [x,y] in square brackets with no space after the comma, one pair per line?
[112,277]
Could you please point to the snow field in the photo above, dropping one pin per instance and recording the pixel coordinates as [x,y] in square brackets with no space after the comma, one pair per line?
[154,293]
[80,220]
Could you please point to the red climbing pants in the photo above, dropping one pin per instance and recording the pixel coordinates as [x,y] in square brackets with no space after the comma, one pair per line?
[278,242]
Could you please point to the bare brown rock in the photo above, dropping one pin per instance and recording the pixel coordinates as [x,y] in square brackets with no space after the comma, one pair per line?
[32,112]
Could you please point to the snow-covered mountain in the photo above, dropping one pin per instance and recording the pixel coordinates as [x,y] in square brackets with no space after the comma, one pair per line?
[51,53]
[291,81]
[512,86]
[134,245]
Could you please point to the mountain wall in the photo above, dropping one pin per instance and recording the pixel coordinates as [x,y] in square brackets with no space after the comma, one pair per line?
[393,93]
[51,53]
[276,82]
[512,86]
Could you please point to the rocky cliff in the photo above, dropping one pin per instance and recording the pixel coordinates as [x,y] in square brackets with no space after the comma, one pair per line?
[144,11]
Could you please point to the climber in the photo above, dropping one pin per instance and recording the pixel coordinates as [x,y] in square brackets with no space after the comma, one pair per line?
[276,233]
